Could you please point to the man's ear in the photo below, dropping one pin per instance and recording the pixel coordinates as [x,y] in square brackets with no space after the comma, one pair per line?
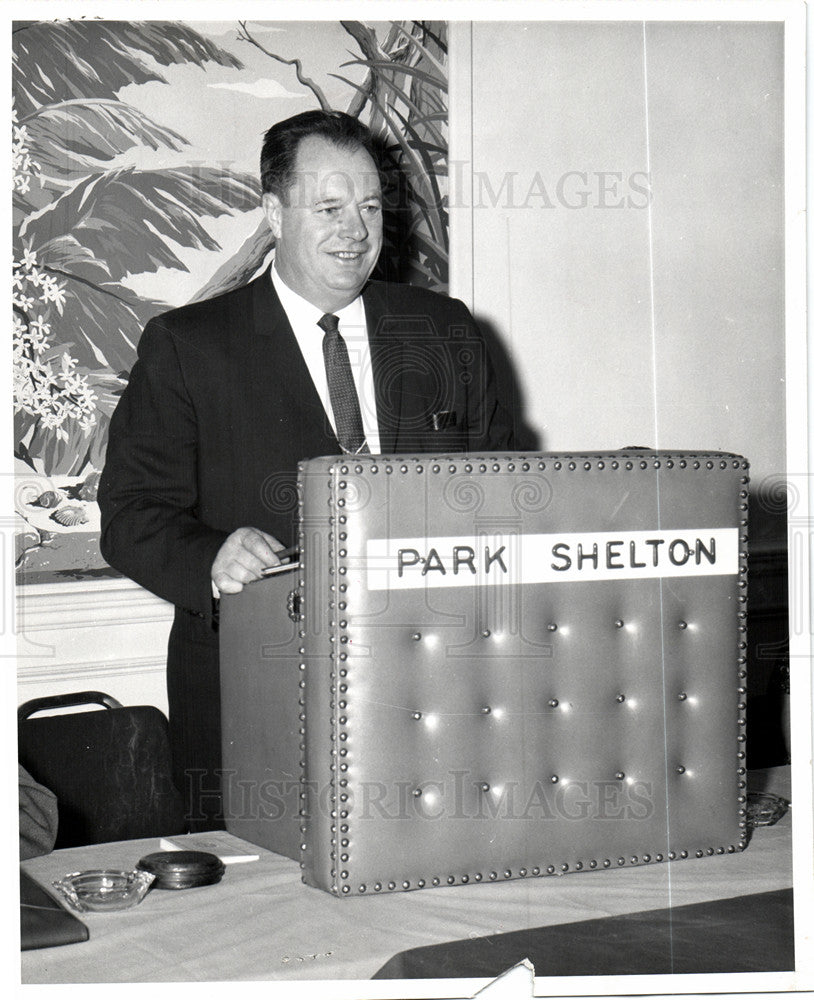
[271,208]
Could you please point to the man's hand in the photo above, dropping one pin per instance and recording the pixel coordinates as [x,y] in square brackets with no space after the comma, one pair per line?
[242,557]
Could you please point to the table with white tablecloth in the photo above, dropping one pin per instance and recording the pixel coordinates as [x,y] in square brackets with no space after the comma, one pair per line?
[262,923]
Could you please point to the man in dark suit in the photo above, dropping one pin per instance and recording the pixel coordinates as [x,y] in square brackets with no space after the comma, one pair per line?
[199,488]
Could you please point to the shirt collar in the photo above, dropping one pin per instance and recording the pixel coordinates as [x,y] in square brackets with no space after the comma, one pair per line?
[295,306]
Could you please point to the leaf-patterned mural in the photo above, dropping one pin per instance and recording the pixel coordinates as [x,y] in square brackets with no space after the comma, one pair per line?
[135,189]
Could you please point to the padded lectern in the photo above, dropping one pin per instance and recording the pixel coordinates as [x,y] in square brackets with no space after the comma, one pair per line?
[489,667]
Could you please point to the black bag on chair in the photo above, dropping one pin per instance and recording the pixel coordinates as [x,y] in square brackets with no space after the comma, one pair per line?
[110,769]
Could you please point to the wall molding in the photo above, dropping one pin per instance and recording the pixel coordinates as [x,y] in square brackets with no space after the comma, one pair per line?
[108,635]
[88,670]
[87,604]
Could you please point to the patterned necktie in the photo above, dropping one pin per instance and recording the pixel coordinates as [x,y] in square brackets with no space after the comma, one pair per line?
[341,388]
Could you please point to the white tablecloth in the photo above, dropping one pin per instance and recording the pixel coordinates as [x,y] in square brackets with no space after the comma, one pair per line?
[261,923]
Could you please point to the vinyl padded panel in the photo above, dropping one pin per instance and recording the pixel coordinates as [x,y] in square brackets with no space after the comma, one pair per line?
[479,706]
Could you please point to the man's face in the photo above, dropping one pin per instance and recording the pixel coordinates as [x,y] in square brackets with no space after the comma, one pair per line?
[329,231]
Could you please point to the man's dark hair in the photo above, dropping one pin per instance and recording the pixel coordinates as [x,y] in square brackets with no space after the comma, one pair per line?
[280,144]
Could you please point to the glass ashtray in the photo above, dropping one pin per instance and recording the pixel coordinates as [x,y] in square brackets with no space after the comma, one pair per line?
[103,890]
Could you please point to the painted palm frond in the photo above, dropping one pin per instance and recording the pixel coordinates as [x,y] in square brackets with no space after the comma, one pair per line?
[72,139]
[130,218]
[81,222]
[55,61]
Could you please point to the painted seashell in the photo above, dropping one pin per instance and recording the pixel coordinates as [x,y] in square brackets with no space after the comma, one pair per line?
[48,499]
[29,495]
[90,487]
[69,516]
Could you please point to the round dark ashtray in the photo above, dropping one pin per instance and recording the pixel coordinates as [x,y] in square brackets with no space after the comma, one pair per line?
[182,869]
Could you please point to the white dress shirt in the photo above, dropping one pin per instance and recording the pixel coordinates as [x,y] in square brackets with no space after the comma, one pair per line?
[304,318]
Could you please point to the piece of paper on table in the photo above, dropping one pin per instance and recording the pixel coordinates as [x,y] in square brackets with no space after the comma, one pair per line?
[213,842]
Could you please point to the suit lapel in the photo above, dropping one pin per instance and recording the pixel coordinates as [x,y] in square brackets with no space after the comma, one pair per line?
[386,361]
[293,380]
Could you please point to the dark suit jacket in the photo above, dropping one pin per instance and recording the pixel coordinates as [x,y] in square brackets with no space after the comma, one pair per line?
[219,410]
[220,407]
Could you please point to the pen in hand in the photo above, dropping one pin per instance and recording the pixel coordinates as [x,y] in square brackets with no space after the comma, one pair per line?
[288,553]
